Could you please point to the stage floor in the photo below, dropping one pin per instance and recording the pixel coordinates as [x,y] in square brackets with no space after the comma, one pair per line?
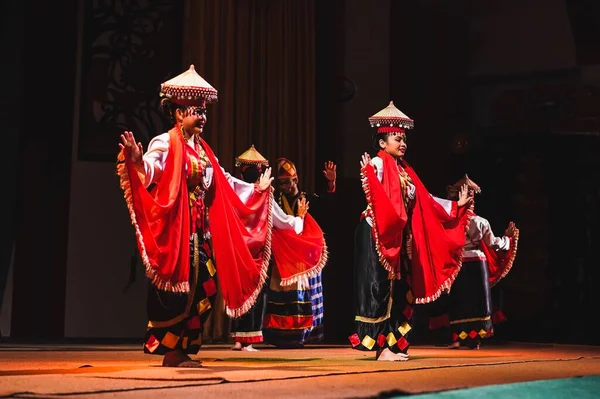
[318,371]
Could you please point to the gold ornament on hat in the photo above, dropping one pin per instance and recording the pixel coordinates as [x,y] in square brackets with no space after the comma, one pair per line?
[188,88]
[251,156]
[391,116]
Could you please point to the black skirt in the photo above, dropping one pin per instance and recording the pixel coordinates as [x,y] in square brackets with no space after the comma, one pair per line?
[383,307]
[247,329]
[175,319]
[470,304]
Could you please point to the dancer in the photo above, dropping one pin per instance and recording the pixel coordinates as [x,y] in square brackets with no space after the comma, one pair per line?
[294,313]
[407,245]
[247,330]
[190,216]
[486,260]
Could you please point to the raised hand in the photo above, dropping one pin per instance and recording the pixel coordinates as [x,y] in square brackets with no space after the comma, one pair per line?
[510,230]
[136,149]
[330,171]
[302,207]
[265,180]
[365,160]
[463,196]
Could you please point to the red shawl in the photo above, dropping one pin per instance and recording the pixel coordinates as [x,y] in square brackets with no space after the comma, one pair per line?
[437,238]
[299,256]
[500,262]
[241,233]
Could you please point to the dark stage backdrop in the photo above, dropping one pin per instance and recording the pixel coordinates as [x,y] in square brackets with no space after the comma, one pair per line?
[128,49]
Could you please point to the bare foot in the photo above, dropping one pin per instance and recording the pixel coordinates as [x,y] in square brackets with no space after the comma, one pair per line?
[387,355]
[237,346]
[243,347]
[401,357]
[192,364]
[454,345]
[177,358]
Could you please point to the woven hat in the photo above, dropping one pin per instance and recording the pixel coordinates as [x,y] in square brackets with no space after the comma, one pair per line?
[391,119]
[251,157]
[188,88]
[286,169]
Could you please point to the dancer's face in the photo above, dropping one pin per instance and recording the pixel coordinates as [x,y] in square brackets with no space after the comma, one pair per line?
[394,144]
[250,173]
[289,185]
[192,118]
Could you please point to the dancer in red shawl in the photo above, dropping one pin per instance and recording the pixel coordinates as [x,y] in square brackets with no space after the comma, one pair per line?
[248,329]
[294,312]
[407,246]
[190,216]
[486,260]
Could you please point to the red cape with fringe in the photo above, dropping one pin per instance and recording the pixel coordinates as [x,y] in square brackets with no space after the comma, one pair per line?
[438,238]
[298,256]
[241,232]
[500,262]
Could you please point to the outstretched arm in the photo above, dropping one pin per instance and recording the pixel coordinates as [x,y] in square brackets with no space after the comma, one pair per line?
[447,209]
[243,189]
[150,165]
[491,241]
[330,173]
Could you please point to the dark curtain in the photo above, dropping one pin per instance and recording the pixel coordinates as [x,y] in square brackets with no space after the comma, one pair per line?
[260,56]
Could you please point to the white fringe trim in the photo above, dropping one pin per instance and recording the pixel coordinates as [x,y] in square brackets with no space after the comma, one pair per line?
[513,255]
[318,268]
[159,282]
[246,306]
[369,211]
[445,286]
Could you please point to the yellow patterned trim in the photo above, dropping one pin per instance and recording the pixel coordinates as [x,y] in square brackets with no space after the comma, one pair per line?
[203,305]
[286,205]
[471,319]
[404,328]
[211,267]
[388,311]
[196,259]
[391,339]
[170,340]
[167,323]
[195,168]
[247,334]
[368,342]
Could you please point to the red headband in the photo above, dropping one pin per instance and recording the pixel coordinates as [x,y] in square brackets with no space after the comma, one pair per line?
[390,129]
